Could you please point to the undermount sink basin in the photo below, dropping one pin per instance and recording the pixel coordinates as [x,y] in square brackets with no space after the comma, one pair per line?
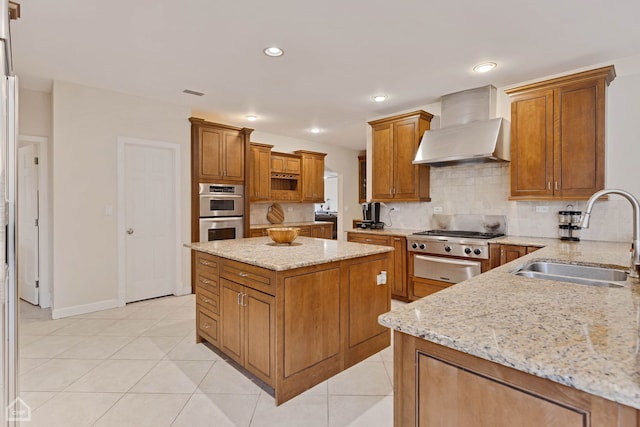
[574,273]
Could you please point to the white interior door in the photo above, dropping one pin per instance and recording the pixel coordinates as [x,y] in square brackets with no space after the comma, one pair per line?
[28,252]
[149,222]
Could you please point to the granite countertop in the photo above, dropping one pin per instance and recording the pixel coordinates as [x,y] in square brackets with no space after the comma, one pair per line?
[305,251]
[400,232]
[288,224]
[585,337]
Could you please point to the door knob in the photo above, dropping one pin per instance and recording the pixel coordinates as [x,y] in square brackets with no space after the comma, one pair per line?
[130,231]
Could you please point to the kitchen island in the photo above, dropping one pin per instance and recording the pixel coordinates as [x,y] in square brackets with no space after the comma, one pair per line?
[291,315]
[504,350]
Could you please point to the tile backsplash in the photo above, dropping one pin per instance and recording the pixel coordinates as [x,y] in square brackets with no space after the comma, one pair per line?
[293,212]
[484,189]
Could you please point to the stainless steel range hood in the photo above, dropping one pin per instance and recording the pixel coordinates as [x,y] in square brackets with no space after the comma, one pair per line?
[469,132]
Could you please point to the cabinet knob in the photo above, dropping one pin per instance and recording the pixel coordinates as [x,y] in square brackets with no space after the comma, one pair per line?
[205,281]
[242,274]
[206,326]
[204,262]
[205,299]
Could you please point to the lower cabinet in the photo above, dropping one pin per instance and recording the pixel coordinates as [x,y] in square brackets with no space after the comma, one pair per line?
[397,274]
[501,254]
[439,386]
[248,328]
[321,231]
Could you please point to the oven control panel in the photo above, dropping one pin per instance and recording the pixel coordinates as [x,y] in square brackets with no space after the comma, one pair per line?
[468,249]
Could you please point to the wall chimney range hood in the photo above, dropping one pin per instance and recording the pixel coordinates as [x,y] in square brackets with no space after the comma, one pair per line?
[469,131]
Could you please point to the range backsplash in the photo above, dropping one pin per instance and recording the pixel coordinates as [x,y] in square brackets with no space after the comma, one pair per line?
[484,189]
[293,212]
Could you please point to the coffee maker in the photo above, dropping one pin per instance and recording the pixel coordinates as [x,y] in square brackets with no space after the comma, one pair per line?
[371,216]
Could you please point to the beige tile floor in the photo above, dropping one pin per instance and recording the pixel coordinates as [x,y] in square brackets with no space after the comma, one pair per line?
[140,366]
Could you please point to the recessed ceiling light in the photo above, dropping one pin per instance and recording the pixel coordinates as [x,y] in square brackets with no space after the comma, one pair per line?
[273,51]
[315,130]
[380,98]
[252,118]
[484,67]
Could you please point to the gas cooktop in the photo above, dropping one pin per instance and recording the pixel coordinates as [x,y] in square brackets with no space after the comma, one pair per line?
[459,233]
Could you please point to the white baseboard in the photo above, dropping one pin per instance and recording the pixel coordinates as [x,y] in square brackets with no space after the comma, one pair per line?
[183,290]
[58,313]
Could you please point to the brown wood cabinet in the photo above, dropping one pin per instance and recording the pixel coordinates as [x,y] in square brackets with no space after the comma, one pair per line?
[312,165]
[395,141]
[285,163]
[558,136]
[322,231]
[362,178]
[292,329]
[397,274]
[260,173]
[500,254]
[439,386]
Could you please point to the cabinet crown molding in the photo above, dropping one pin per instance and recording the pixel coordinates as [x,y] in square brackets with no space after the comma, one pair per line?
[423,115]
[608,73]
[202,122]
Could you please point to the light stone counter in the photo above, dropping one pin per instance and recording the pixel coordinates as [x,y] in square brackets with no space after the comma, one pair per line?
[288,224]
[581,336]
[305,251]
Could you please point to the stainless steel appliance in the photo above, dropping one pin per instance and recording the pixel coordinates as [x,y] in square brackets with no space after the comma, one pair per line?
[221,212]
[221,200]
[370,216]
[9,290]
[456,252]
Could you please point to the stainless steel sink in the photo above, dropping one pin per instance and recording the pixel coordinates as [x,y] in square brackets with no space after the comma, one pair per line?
[574,273]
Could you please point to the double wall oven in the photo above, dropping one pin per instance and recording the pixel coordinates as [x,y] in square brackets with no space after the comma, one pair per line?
[440,258]
[221,212]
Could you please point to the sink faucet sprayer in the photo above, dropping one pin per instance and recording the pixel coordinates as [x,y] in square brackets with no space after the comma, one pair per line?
[634,267]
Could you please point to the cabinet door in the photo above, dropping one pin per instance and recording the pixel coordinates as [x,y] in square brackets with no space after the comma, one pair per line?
[318,179]
[579,138]
[399,257]
[532,145]
[233,145]
[406,136]
[312,178]
[259,322]
[232,320]
[210,154]
[362,179]
[382,162]
[510,252]
[260,174]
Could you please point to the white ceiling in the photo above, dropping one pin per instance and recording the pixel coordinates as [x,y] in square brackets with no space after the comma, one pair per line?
[338,53]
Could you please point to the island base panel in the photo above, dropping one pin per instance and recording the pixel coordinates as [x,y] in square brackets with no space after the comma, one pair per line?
[438,386]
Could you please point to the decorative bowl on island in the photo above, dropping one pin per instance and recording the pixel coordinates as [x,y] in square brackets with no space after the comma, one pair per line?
[283,235]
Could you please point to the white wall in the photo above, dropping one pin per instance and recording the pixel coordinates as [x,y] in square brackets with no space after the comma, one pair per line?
[484,189]
[86,125]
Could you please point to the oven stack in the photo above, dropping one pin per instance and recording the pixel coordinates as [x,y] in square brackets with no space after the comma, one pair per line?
[221,212]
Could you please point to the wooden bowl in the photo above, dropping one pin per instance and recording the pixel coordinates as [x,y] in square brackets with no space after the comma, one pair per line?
[283,234]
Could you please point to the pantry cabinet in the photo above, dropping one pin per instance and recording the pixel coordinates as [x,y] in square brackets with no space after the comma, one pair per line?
[260,173]
[312,168]
[218,152]
[558,136]
[395,141]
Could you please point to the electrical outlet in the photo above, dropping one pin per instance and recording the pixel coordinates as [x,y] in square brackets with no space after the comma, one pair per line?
[395,209]
[437,209]
[542,209]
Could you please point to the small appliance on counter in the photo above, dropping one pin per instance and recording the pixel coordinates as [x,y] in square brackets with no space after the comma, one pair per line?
[568,227]
[370,216]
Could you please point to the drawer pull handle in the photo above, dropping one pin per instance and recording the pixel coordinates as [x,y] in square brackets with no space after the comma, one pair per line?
[243,274]
[206,326]
[205,262]
[205,281]
[205,299]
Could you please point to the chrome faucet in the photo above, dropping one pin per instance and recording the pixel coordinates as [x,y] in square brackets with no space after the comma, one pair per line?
[634,267]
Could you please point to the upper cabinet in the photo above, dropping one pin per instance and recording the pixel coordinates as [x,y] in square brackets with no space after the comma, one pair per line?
[218,152]
[285,163]
[312,165]
[260,172]
[362,178]
[395,141]
[557,136]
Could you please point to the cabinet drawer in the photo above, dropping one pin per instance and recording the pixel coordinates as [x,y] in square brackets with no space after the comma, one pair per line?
[371,239]
[207,282]
[427,287]
[254,277]
[207,300]
[305,231]
[207,324]
[207,264]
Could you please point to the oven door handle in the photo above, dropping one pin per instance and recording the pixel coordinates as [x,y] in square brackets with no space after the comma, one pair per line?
[221,196]
[222,219]
[448,260]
